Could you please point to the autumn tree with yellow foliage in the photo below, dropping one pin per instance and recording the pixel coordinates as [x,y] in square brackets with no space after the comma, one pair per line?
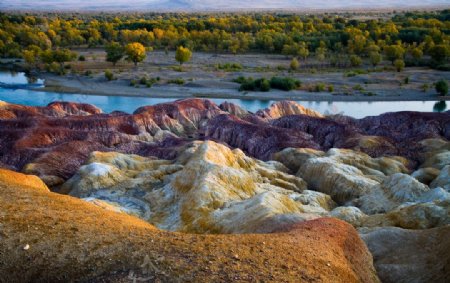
[135,52]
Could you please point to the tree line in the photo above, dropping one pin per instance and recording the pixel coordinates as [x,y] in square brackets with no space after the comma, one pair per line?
[414,38]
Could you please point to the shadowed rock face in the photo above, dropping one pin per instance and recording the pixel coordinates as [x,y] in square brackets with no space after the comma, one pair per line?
[54,141]
[402,255]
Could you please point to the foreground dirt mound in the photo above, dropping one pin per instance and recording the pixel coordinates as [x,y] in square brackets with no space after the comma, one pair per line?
[49,237]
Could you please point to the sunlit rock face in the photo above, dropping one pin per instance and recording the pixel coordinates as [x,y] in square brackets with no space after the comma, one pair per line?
[371,192]
[344,174]
[287,108]
[209,188]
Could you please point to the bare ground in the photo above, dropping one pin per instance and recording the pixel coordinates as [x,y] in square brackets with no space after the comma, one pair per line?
[203,79]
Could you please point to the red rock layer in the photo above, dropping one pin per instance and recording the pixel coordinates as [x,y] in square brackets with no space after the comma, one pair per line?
[56,139]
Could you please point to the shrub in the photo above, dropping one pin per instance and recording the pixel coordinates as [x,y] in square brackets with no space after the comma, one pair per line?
[109,75]
[442,87]
[81,58]
[249,84]
[443,67]
[399,65]
[230,67]
[425,87]
[177,69]
[330,88]
[350,74]
[284,83]
[88,73]
[240,80]
[320,87]
[406,80]
[178,81]
[55,68]
[143,81]
[133,83]
[294,64]
[263,84]
[358,87]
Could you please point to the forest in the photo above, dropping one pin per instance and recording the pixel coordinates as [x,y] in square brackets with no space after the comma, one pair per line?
[411,39]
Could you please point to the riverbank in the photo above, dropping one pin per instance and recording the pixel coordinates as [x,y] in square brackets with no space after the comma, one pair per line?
[213,88]
[207,76]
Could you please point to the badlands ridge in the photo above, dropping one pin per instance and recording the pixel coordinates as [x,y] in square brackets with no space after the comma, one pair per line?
[213,192]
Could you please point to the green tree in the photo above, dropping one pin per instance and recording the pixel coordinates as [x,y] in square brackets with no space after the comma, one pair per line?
[303,51]
[135,52]
[62,56]
[31,55]
[440,52]
[399,65]
[375,58]
[114,52]
[183,55]
[355,60]
[417,53]
[442,87]
[394,52]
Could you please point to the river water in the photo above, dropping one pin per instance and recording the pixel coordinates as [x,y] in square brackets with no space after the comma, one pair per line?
[15,88]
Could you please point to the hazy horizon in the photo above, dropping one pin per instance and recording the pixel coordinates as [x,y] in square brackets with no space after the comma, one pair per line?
[210,5]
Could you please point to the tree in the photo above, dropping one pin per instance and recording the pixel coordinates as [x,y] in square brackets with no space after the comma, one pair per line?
[417,53]
[183,55]
[442,87]
[355,60]
[375,58]
[440,52]
[63,55]
[320,53]
[303,51]
[399,65]
[294,64]
[114,52]
[135,52]
[394,52]
[31,55]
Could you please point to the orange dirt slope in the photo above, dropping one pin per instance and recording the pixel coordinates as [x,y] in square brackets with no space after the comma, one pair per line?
[47,237]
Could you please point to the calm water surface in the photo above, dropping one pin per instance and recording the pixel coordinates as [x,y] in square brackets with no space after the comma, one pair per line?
[13,89]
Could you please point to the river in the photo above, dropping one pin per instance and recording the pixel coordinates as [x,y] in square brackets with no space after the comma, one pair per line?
[15,88]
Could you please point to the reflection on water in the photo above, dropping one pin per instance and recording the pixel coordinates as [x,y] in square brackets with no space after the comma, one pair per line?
[129,104]
[440,106]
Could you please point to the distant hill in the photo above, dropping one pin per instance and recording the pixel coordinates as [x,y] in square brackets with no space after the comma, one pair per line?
[211,5]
